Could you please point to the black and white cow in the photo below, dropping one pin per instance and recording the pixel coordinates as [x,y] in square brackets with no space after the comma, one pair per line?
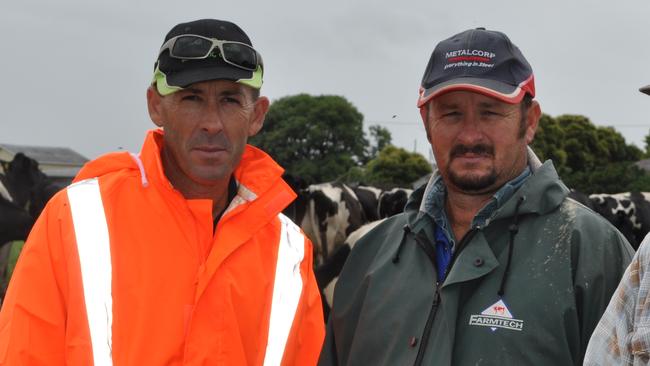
[369,198]
[327,213]
[629,212]
[15,222]
[393,201]
[4,192]
[24,191]
[327,281]
[21,177]
[330,214]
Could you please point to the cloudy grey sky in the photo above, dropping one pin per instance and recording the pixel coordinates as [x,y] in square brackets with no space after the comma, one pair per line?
[74,72]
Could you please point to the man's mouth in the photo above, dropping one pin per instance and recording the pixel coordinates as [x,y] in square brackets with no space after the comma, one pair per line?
[209,149]
[472,152]
[209,152]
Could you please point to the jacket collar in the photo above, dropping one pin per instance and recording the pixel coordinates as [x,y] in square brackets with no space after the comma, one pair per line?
[543,191]
[255,175]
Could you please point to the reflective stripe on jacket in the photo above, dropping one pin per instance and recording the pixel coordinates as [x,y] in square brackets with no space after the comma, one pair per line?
[181,292]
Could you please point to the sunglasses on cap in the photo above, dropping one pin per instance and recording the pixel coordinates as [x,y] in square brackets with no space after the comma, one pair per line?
[195,47]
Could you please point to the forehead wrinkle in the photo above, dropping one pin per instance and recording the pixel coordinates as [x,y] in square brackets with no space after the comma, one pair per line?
[191,89]
[232,92]
[209,89]
[487,104]
[445,105]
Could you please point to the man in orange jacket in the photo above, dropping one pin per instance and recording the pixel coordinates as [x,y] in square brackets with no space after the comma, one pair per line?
[178,255]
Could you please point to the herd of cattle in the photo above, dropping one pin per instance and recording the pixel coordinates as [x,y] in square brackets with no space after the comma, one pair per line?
[333,215]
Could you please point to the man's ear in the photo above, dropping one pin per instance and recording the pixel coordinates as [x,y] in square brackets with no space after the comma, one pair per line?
[425,112]
[532,120]
[257,119]
[154,100]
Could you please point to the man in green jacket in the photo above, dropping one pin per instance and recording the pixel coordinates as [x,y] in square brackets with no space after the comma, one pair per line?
[491,263]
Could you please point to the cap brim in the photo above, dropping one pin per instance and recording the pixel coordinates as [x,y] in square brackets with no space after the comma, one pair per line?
[512,94]
[645,89]
[191,76]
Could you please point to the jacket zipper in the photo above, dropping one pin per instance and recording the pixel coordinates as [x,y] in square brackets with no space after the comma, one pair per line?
[436,298]
[427,327]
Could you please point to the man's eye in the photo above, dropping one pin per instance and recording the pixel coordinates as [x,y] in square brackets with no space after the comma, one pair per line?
[191,98]
[490,113]
[451,114]
[230,100]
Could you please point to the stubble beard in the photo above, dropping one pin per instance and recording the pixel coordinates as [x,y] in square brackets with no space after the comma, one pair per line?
[472,182]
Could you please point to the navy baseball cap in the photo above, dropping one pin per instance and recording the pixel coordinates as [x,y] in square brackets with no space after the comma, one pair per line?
[480,61]
[173,73]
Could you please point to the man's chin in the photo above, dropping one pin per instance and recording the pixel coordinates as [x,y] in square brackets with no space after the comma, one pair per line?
[211,175]
[473,183]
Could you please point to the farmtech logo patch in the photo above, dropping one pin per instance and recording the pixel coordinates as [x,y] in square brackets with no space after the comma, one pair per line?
[496,316]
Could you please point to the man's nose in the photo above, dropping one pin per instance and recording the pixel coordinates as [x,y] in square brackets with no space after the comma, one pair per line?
[212,120]
[471,130]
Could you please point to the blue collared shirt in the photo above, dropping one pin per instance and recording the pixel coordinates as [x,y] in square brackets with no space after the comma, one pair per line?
[434,206]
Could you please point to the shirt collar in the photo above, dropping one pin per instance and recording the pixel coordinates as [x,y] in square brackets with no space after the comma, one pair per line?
[434,202]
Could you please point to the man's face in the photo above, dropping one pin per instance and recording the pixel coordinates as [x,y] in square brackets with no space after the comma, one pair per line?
[206,128]
[478,141]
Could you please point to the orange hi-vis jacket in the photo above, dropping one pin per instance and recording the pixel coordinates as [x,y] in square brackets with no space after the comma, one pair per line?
[121,269]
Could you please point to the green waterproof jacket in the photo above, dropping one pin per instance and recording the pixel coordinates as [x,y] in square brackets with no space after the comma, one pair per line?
[566,262]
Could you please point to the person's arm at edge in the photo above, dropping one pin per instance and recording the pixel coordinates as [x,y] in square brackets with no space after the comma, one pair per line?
[613,338]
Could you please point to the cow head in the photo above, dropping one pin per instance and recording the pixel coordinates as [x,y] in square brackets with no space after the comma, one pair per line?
[21,177]
[24,190]
[392,202]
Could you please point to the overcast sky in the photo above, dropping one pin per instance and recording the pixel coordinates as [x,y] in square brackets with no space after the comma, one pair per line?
[74,72]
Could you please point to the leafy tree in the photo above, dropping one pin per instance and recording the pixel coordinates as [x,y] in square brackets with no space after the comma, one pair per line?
[589,158]
[642,183]
[317,138]
[647,145]
[548,141]
[610,178]
[581,143]
[396,167]
[380,137]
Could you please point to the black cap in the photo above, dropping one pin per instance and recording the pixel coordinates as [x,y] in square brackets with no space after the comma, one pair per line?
[481,61]
[645,89]
[177,73]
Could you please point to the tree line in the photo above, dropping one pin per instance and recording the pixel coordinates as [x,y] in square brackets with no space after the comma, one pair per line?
[590,158]
[321,139]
